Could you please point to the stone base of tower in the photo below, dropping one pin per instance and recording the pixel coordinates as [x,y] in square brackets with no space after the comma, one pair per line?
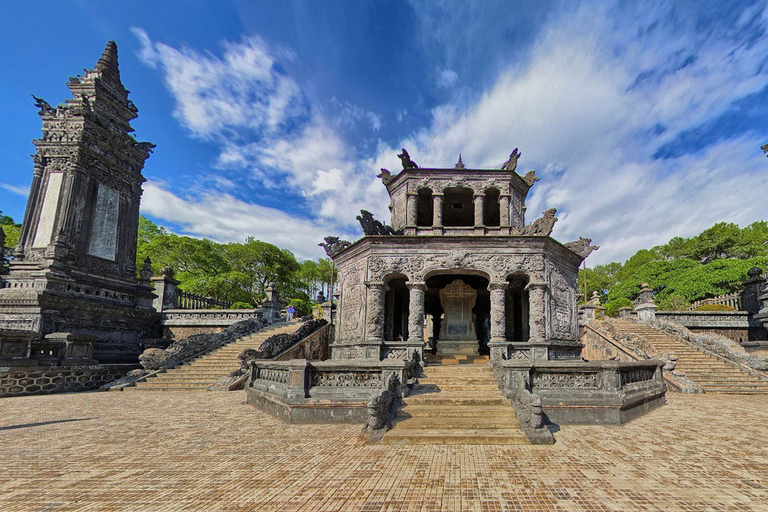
[116,314]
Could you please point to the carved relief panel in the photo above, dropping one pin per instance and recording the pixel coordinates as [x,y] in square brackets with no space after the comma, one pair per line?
[351,303]
[563,319]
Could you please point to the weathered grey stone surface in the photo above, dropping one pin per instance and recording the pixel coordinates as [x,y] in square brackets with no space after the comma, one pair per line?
[74,268]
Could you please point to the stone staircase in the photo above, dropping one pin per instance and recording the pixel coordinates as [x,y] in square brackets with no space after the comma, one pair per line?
[202,372]
[456,402]
[713,374]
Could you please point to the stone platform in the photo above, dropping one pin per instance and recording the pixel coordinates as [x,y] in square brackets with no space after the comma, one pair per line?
[193,451]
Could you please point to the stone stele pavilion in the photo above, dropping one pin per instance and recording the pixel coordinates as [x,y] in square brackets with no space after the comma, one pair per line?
[460,275]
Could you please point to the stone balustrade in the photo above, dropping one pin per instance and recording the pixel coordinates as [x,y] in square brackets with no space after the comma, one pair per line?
[609,392]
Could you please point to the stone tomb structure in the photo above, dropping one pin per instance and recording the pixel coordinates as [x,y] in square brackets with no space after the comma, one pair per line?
[460,260]
[72,282]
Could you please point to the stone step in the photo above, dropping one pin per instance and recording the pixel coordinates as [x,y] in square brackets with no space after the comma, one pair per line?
[510,436]
[452,422]
[168,388]
[468,380]
[443,399]
[456,411]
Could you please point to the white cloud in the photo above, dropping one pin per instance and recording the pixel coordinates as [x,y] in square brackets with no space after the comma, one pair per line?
[22,191]
[223,218]
[584,107]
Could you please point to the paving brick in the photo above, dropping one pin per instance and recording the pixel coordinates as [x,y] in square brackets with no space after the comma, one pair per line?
[210,451]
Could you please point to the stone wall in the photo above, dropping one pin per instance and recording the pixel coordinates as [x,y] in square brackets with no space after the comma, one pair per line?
[45,380]
[736,325]
[182,323]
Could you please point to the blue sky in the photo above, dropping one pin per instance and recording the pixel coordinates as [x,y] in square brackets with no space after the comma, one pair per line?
[644,120]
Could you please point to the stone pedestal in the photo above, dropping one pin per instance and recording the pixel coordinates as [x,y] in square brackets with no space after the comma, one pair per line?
[457,332]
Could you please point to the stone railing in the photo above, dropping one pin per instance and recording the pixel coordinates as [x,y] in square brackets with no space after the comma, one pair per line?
[180,323]
[587,392]
[188,300]
[303,391]
[314,346]
[730,299]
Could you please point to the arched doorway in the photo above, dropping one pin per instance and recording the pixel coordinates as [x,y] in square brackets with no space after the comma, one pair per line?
[396,301]
[516,309]
[434,310]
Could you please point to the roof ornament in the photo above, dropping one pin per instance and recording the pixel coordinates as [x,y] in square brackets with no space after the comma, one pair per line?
[511,164]
[334,246]
[543,225]
[459,164]
[386,176]
[530,178]
[582,247]
[405,158]
[45,108]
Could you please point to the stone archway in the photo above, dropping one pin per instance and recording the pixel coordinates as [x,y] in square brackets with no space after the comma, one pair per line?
[457,307]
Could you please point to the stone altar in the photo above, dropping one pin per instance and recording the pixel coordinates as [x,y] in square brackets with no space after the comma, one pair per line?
[457,329]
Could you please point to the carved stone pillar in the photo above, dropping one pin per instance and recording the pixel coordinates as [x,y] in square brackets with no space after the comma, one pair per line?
[498,343]
[410,209]
[504,210]
[416,312]
[479,200]
[437,210]
[375,317]
[536,311]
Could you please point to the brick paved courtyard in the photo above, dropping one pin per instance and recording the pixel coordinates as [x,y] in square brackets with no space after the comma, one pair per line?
[210,451]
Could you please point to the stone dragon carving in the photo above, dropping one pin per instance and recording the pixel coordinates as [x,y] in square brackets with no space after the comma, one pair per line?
[382,409]
[543,225]
[530,178]
[372,226]
[405,158]
[386,176]
[45,108]
[511,164]
[334,246]
[582,247]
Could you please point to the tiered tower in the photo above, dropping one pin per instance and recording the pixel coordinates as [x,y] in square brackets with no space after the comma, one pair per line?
[74,268]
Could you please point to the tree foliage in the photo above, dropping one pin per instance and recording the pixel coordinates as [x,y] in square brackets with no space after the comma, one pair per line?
[237,272]
[712,263]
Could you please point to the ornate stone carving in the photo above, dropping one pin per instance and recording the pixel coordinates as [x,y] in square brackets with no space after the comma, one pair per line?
[372,226]
[565,380]
[543,225]
[582,247]
[498,320]
[416,311]
[511,164]
[636,375]
[530,178]
[351,304]
[333,245]
[375,320]
[562,312]
[405,159]
[386,176]
[345,379]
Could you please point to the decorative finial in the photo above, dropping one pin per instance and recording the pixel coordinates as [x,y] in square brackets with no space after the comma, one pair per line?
[108,60]
[511,164]
[405,158]
[459,164]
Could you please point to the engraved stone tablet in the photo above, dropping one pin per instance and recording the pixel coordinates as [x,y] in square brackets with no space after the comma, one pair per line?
[48,211]
[105,216]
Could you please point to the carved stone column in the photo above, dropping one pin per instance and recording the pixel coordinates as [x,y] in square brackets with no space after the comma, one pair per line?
[498,343]
[437,210]
[410,209]
[479,200]
[504,210]
[416,312]
[375,317]
[536,316]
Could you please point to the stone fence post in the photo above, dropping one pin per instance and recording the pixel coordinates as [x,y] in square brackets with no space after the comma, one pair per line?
[592,309]
[753,286]
[644,306]
[167,291]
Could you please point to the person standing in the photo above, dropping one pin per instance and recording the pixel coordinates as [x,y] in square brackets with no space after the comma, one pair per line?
[289,313]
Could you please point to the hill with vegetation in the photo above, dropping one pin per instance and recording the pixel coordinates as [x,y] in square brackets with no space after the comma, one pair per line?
[712,263]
